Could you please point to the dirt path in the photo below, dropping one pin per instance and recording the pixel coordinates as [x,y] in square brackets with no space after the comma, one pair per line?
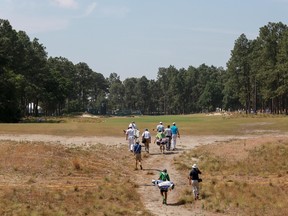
[64,140]
[152,164]
[150,194]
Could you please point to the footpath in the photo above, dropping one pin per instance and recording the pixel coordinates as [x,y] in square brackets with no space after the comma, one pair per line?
[154,163]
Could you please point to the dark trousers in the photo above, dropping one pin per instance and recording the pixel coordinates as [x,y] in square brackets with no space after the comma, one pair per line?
[168,144]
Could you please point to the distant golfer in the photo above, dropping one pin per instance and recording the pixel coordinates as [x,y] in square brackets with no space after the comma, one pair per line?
[146,139]
[137,153]
[160,127]
[175,134]
[161,140]
[130,138]
[194,178]
[135,128]
[168,134]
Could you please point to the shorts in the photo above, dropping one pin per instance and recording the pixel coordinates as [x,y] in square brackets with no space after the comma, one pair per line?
[138,157]
[164,190]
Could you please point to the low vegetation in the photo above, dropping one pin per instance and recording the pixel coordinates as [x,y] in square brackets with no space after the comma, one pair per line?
[242,177]
[48,179]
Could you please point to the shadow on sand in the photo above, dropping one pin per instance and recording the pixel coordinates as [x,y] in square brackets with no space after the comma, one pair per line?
[165,153]
[179,203]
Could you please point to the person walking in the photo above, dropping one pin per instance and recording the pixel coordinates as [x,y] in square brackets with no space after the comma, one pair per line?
[130,137]
[194,180]
[146,139]
[161,141]
[133,125]
[135,128]
[160,127]
[164,176]
[168,134]
[175,134]
[137,153]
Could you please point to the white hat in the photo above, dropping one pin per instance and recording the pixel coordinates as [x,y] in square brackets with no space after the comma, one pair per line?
[194,166]
[160,122]
[174,123]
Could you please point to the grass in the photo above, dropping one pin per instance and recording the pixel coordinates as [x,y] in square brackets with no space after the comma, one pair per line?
[40,179]
[241,177]
[198,124]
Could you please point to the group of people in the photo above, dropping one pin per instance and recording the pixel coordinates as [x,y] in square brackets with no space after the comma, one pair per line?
[166,138]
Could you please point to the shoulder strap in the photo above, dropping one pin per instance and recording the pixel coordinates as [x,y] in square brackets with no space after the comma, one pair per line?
[164,176]
[137,148]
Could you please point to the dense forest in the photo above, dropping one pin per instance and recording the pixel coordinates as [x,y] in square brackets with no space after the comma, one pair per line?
[31,83]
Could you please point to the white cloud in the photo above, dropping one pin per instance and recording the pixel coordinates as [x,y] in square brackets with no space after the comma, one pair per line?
[34,16]
[90,8]
[66,3]
[105,11]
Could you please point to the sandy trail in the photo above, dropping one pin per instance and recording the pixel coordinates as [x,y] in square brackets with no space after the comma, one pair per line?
[186,141]
[154,163]
[64,140]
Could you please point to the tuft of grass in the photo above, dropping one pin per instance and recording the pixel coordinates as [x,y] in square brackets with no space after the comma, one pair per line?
[244,184]
[31,181]
[76,164]
[76,188]
[47,183]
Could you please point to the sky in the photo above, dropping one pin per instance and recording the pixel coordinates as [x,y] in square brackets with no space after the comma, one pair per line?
[134,38]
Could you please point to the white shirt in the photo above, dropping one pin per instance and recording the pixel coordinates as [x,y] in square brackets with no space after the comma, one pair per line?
[146,135]
[168,132]
[130,132]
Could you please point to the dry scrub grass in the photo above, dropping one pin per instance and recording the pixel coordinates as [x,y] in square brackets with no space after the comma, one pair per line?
[241,177]
[42,179]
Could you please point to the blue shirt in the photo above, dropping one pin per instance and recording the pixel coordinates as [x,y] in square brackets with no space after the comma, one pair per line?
[137,148]
[174,129]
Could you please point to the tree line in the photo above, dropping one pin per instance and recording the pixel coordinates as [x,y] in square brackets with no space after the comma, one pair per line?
[31,83]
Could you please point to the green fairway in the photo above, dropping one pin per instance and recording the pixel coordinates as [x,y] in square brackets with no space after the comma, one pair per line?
[197,124]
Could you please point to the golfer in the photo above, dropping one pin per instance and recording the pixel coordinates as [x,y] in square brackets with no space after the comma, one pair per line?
[194,178]
[175,134]
[137,153]
[146,139]
[130,138]
[164,176]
